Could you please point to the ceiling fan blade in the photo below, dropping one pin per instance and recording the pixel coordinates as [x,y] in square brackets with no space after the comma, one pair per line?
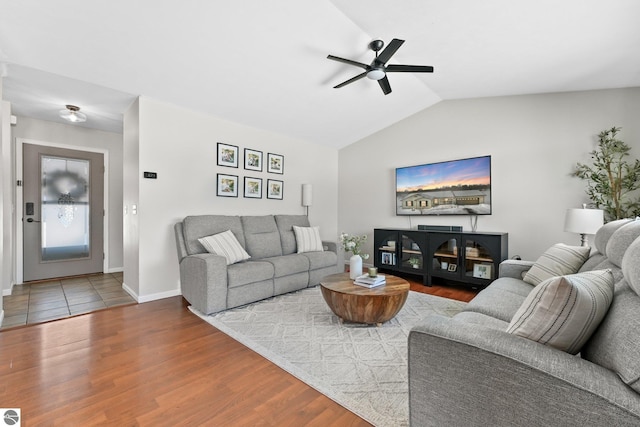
[408,69]
[388,51]
[384,85]
[348,61]
[351,80]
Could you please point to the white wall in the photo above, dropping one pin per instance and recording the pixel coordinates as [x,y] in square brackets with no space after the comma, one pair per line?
[5,199]
[45,131]
[180,146]
[131,136]
[534,141]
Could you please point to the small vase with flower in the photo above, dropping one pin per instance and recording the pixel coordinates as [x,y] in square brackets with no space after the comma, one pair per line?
[353,244]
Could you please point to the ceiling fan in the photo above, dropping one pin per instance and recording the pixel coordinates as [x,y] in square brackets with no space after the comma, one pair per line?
[378,69]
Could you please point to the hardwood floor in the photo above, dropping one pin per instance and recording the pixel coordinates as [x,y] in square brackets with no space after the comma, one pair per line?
[155,364]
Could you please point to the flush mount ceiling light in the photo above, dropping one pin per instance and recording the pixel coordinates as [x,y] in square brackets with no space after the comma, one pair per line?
[73,114]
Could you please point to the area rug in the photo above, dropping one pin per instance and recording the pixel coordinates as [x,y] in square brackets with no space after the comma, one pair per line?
[361,367]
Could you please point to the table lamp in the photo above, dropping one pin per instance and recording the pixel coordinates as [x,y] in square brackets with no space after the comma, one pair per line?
[583,222]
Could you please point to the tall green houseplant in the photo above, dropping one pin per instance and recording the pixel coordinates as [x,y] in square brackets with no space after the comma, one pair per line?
[611,180]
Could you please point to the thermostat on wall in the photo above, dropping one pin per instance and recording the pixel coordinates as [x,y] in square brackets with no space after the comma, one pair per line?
[151,175]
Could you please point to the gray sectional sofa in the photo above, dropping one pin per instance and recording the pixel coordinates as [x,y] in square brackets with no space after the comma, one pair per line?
[468,371]
[275,267]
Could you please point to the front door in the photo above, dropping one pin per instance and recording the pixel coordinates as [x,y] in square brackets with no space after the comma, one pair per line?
[62,212]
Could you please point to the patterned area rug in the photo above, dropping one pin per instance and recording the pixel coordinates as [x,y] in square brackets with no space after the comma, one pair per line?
[363,368]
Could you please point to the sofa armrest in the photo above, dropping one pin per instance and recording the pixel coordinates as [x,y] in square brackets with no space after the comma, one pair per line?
[466,374]
[514,268]
[329,246]
[203,281]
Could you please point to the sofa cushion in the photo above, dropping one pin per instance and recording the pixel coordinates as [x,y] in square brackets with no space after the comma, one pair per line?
[307,239]
[261,236]
[285,225]
[631,266]
[605,232]
[496,302]
[558,260]
[513,285]
[199,226]
[563,312]
[592,262]
[225,244]
[616,343]
[482,320]
[286,265]
[318,260]
[246,272]
[620,241]
[615,270]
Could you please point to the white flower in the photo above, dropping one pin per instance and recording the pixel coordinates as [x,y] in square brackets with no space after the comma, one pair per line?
[353,244]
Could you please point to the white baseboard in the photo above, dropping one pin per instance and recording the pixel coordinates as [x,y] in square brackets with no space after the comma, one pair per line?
[130,292]
[116,270]
[160,295]
[7,292]
[152,297]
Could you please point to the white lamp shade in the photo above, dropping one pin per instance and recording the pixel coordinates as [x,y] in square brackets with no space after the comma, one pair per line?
[583,221]
[307,197]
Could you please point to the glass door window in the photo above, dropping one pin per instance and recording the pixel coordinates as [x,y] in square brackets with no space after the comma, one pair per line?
[445,257]
[411,254]
[387,250]
[478,261]
[65,216]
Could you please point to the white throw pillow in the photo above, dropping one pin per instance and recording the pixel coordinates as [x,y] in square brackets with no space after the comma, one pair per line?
[225,244]
[563,312]
[308,239]
[558,260]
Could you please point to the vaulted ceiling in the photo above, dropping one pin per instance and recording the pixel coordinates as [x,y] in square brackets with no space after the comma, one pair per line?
[264,63]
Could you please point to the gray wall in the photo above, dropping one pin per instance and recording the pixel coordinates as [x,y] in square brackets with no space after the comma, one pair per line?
[534,141]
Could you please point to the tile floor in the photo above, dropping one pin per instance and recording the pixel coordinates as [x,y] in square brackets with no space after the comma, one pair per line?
[55,299]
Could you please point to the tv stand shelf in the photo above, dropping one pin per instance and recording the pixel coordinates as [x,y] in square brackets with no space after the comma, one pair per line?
[469,258]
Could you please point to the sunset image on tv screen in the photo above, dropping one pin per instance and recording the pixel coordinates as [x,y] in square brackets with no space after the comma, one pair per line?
[458,187]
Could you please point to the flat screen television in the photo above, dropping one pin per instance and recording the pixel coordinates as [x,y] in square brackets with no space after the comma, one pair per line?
[456,187]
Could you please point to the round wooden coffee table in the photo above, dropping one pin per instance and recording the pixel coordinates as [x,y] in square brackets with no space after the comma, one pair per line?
[364,305]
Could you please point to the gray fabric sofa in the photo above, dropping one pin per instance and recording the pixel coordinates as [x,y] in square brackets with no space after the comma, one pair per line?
[275,267]
[467,371]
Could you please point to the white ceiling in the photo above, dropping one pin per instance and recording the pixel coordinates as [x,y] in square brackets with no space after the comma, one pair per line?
[263,63]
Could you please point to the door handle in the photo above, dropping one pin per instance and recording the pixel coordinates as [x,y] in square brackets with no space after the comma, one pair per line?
[31,220]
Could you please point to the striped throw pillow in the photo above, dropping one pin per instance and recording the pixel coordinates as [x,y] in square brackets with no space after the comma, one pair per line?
[563,312]
[225,244]
[308,239]
[558,260]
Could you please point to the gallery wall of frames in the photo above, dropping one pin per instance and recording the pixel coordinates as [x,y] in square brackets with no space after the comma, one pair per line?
[252,187]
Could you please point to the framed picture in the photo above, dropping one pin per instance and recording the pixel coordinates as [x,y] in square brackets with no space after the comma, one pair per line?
[453,268]
[482,271]
[252,187]
[275,163]
[227,155]
[386,258]
[227,185]
[253,160]
[274,189]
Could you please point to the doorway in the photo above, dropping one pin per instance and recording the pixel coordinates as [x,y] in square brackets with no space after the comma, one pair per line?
[62,212]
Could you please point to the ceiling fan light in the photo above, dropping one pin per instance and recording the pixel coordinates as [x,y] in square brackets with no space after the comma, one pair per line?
[73,114]
[376,74]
